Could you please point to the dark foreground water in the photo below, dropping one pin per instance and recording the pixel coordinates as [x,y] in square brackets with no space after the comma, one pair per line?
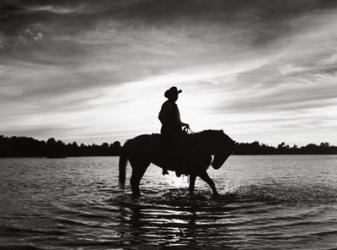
[267,202]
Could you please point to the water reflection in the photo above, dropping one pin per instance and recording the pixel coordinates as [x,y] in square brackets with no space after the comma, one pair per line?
[148,220]
[76,203]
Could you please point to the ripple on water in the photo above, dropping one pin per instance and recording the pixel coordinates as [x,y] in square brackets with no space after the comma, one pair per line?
[80,205]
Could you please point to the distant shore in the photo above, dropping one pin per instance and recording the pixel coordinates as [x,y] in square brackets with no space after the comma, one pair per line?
[30,147]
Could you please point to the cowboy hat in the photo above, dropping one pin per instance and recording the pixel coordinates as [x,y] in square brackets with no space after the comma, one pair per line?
[172,91]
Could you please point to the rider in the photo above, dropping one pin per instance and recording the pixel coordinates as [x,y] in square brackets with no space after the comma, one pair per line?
[169,117]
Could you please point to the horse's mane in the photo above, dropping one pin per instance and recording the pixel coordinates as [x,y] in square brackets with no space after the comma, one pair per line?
[208,132]
[205,137]
[204,133]
[210,135]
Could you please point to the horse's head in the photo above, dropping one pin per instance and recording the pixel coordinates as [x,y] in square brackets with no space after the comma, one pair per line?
[223,148]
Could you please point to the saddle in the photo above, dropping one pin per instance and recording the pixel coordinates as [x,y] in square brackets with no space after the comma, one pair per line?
[172,153]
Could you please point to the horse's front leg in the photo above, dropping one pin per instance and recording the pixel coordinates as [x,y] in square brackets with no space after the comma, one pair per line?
[210,182]
[137,174]
[192,183]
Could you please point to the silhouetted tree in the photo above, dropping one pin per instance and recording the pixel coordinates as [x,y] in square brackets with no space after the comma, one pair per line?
[282,148]
[29,147]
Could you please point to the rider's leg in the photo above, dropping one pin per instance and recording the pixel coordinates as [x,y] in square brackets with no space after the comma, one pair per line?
[165,144]
[192,184]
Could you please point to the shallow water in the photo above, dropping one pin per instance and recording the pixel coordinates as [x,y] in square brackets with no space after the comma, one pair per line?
[266,202]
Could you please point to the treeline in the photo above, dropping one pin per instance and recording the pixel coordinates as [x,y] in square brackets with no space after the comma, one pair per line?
[256,148]
[30,147]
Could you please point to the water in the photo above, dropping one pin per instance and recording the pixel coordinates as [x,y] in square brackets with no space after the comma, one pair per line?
[266,202]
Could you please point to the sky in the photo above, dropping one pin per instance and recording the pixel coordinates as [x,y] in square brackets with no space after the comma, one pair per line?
[96,71]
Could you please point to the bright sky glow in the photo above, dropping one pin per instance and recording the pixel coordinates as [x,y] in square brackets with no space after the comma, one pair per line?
[78,70]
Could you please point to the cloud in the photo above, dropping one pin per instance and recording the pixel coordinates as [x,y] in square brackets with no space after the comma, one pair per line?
[89,66]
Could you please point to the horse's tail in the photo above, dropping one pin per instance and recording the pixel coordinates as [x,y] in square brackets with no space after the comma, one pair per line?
[123,160]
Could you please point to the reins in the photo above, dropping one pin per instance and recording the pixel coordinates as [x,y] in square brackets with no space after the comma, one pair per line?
[188,130]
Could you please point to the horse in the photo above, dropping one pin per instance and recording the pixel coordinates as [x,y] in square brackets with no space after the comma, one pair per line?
[202,149]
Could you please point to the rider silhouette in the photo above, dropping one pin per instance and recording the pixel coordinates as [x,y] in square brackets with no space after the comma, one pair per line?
[169,117]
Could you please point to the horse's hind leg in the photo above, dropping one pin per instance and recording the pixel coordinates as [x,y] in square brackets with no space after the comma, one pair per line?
[192,183]
[210,182]
[138,171]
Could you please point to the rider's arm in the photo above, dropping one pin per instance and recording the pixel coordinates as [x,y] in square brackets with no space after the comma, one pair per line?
[182,124]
